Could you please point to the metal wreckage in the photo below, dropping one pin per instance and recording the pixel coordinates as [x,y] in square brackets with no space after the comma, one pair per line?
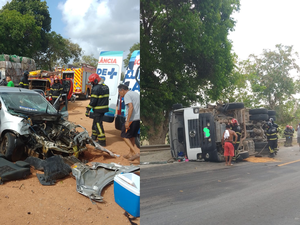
[30,125]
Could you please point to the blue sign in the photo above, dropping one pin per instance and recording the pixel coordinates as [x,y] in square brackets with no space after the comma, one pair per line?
[113,72]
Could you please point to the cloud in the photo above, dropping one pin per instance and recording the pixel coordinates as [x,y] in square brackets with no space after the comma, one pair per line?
[3,2]
[106,25]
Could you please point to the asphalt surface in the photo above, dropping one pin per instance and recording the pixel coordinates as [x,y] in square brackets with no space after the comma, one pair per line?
[212,193]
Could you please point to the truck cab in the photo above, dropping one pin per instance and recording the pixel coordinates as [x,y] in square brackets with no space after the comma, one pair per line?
[196,132]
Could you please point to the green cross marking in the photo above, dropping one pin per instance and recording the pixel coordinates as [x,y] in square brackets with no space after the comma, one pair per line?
[206,132]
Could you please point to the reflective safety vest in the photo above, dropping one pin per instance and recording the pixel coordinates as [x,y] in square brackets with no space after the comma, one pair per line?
[99,99]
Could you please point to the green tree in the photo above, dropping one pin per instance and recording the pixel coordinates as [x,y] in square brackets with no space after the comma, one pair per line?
[272,83]
[18,33]
[59,51]
[36,8]
[88,59]
[186,57]
[134,47]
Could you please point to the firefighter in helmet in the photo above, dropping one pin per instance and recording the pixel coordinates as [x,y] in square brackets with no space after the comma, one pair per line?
[287,136]
[24,83]
[237,129]
[56,90]
[271,131]
[99,106]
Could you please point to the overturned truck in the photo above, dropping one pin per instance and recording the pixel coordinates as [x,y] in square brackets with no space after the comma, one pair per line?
[196,132]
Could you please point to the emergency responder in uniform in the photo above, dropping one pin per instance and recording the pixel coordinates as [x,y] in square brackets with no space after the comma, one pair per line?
[271,132]
[99,105]
[56,90]
[24,83]
[277,130]
[287,134]
[237,129]
[291,135]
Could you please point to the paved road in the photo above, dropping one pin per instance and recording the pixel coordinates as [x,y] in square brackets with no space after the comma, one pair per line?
[211,193]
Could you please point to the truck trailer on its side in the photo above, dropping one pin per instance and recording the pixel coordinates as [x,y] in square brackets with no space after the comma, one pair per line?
[196,132]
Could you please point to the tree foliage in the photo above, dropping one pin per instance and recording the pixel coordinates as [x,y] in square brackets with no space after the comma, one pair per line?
[186,56]
[18,33]
[271,83]
[88,59]
[134,47]
[26,26]
[59,51]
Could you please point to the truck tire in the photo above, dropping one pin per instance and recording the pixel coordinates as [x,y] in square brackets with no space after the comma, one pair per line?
[9,149]
[235,105]
[244,155]
[259,117]
[177,106]
[271,112]
[258,111]
[260,145]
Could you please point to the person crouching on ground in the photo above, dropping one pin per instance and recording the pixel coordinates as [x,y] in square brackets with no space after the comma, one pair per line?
[132,124]
[227,144]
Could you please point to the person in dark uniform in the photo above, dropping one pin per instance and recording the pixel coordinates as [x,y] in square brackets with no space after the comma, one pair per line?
[271,132]
[237,129]
[99,105]
[287,136]
[24,83]
[56,90]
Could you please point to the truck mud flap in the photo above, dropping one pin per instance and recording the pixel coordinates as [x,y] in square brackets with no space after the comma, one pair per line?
[208,137]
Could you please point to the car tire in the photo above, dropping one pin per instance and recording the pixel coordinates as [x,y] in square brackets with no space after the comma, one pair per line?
[258,111]
[259,117]
[8,147]
[138,141]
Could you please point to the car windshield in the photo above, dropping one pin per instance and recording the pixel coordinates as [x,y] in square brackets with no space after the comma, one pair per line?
[30,102]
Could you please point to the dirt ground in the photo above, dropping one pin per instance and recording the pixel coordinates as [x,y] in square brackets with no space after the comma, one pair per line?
[28,202]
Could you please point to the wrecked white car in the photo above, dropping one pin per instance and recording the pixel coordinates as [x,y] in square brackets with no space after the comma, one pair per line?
[30,124]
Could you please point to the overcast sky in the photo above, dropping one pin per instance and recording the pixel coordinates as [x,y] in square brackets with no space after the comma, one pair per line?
[106,25]
[261,24]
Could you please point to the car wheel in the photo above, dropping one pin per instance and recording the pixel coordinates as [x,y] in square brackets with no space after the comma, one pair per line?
[9,149]
[259,117]
[258,111]
[137,141]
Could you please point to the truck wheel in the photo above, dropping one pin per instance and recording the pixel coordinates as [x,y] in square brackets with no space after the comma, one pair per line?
[258,111]
[260,145]
[271,112]
[259,117]
[9,148]
[235,105]
[244,155]
[177,106]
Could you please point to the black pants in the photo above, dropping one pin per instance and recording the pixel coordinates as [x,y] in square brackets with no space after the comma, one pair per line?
[272,145]
[98,130]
